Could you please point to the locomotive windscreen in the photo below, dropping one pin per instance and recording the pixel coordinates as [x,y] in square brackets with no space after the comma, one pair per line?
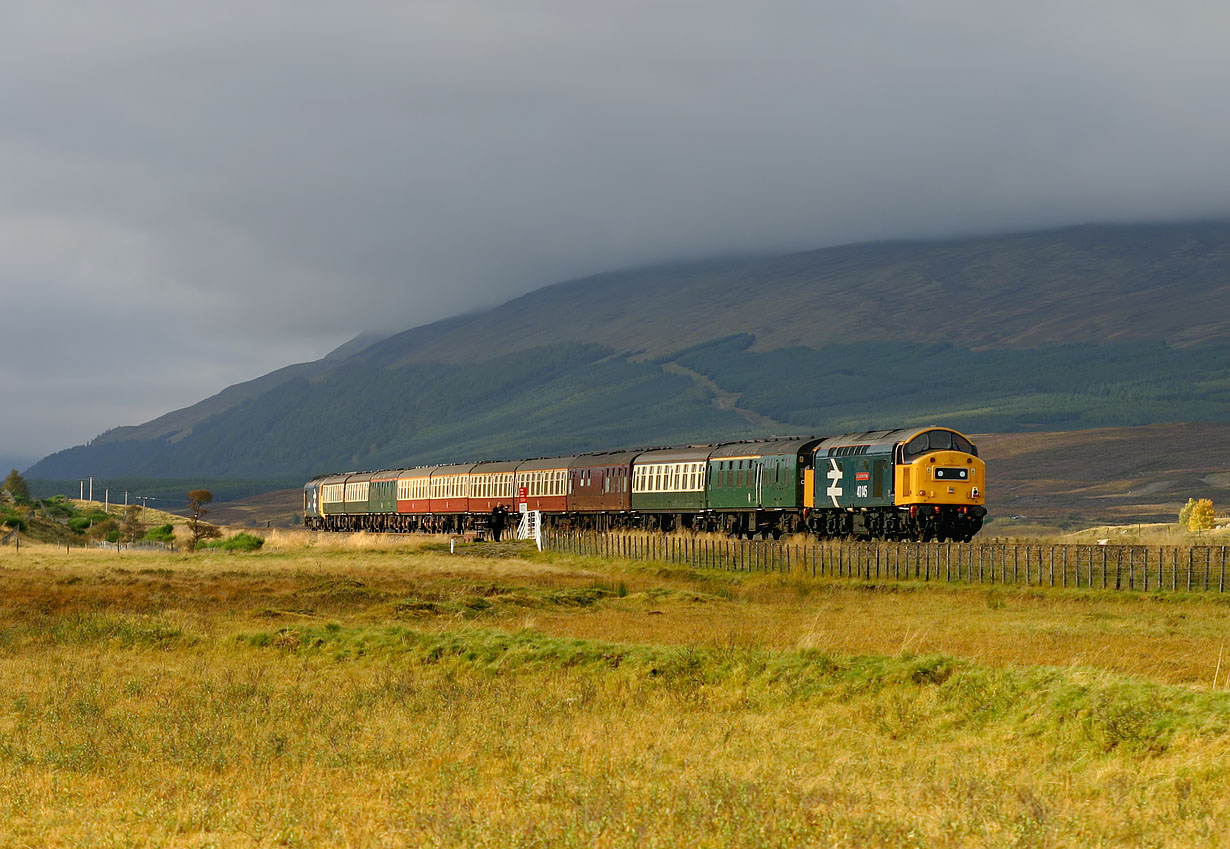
[938,440]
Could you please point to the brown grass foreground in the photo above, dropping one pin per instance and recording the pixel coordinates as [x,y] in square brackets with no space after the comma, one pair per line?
[382,692]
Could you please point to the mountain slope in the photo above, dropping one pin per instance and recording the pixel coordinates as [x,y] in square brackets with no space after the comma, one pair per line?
[1093,284]
[1075,328]
[178,424]
[553,399]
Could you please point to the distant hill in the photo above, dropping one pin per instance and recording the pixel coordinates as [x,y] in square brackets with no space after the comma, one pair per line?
[1095,326]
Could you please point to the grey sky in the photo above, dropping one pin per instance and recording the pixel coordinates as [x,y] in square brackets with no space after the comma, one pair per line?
[195,194]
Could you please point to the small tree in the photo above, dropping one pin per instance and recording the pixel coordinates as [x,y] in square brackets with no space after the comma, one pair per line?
[1202,516]
[198,529]
[1185,513]
[16,485]
[131,529]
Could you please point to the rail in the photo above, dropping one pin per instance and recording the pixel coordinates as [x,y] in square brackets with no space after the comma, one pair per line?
[1110,567]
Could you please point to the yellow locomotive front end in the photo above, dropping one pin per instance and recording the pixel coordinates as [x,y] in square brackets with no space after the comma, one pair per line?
[941,481]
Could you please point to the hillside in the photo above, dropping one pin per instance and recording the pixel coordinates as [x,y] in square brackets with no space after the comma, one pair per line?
[1069,329]
[1092,284]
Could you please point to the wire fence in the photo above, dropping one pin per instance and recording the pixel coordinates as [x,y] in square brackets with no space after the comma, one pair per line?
[1111,567]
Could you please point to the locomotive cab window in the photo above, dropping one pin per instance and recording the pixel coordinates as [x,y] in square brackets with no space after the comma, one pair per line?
[960,443]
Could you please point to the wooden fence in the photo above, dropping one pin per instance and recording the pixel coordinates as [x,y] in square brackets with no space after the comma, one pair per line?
[1111,567]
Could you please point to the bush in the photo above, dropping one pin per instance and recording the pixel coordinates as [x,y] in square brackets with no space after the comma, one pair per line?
[112,536]
[12,520]
[104,529]
[1185,513]
[162,533]
[80,524]
[239,542]
[58,507]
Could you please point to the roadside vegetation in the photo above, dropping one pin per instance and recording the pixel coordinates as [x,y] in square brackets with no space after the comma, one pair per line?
[356,690]
[63,521]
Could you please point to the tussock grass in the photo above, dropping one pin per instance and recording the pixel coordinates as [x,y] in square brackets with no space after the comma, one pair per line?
[364,695]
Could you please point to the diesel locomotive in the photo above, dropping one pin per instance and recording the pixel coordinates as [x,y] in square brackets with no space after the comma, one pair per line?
[922,483]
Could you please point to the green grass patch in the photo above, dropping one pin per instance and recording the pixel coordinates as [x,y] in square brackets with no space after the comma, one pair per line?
[241,541]
[99,629]
[909,695]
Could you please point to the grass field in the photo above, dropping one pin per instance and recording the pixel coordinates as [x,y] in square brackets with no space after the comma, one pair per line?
[357,691]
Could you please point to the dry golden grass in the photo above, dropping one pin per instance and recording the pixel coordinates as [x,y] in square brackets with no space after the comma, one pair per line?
[380,691]
[1166,533]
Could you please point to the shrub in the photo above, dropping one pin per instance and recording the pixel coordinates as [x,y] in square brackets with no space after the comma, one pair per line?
[79,524]
[112,536]
[1185,512]
[239,542]
[104,529]
[162,533]
[12,520]
[58,507]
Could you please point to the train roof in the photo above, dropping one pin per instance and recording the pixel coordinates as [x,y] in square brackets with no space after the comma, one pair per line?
[546,463]
[490,467]
[414,472]
[452,469]
[879,438]
[604,458]
[675,455]
[761,447]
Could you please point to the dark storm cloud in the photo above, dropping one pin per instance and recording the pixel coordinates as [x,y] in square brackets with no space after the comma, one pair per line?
[199,193]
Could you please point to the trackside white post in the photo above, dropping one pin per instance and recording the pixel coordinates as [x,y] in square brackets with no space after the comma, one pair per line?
[530,527]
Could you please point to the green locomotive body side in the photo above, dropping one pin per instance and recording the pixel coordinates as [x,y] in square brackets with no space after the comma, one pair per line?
[854,476]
